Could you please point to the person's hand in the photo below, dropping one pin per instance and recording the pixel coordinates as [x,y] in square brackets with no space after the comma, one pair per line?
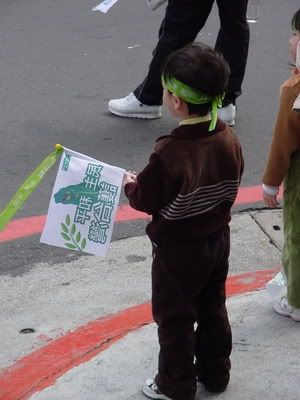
[270,200]
[129,176]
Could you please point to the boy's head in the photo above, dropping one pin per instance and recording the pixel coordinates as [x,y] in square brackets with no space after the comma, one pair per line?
[195,78]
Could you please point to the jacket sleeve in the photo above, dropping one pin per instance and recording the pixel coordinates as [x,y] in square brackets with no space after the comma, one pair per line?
[285,140]
[151,191]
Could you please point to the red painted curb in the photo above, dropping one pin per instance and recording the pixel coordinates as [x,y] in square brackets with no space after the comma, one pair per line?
[34,225]
[24,227]
[44,366]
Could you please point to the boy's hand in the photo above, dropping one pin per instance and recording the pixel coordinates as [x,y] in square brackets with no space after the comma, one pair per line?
[270,200]
[129,177]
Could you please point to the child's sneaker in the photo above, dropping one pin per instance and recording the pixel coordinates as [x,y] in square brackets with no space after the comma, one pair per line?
[150,390]
[131,107]
[282,307]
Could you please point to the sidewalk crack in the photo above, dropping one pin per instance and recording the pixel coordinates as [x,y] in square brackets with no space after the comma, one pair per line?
[271,241]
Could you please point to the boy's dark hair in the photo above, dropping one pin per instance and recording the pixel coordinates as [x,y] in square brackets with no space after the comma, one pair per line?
[200,67]
[296,21]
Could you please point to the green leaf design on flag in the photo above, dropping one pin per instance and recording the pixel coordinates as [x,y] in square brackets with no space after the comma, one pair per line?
[64,228]
[65,236]
[68,219]
[78,237]
[70,246]
[70,235]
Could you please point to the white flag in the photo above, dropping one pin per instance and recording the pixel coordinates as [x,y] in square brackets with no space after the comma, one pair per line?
[83,204]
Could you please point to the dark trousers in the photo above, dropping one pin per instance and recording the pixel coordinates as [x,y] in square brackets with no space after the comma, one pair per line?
[183,21]
[188,286]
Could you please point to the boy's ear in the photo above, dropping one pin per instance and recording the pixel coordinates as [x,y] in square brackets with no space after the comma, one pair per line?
[177,102]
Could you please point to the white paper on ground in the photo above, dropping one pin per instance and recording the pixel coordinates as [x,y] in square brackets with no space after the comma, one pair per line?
[105,5]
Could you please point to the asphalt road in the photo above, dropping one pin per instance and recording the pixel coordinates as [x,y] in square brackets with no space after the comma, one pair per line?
[60,63]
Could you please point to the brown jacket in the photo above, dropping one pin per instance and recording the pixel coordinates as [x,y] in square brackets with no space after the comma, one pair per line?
[286,135]
[190,183]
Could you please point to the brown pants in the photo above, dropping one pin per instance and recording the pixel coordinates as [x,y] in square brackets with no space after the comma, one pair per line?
[188,286]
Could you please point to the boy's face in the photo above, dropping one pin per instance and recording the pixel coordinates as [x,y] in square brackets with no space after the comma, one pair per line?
[293,43]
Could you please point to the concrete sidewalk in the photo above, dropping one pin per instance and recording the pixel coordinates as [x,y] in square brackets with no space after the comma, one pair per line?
[265,360]
[58,301]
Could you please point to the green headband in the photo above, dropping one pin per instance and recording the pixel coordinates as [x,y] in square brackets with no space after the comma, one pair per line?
[194,96]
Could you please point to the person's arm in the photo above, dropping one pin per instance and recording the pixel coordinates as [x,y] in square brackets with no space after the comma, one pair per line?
[150,190]
[285,140]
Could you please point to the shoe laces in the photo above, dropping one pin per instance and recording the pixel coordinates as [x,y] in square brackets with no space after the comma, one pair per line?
[130,97]
[284,304]
[154,387]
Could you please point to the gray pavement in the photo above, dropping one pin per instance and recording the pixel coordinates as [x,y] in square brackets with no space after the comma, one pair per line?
[265,360]
[56,299]
[61,63]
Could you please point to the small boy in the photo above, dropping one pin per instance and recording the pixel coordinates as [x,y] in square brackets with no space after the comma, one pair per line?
[189,186]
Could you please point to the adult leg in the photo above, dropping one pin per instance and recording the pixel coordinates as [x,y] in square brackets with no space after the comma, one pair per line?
[213,335]
[233,43]
[183,20]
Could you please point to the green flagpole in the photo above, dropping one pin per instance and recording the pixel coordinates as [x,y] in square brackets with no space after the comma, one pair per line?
[28,186]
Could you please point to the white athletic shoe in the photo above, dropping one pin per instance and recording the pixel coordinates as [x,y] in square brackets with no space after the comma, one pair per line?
[227,114]
[131,107]
[282,307]
[296,106]
[151,390]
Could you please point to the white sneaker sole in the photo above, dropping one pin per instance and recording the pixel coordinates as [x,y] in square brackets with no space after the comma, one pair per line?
[151,395]
[283,313]
[148,392]
[135,115]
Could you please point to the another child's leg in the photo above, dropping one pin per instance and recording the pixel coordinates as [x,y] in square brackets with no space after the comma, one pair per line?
[213,335]
[291,217]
